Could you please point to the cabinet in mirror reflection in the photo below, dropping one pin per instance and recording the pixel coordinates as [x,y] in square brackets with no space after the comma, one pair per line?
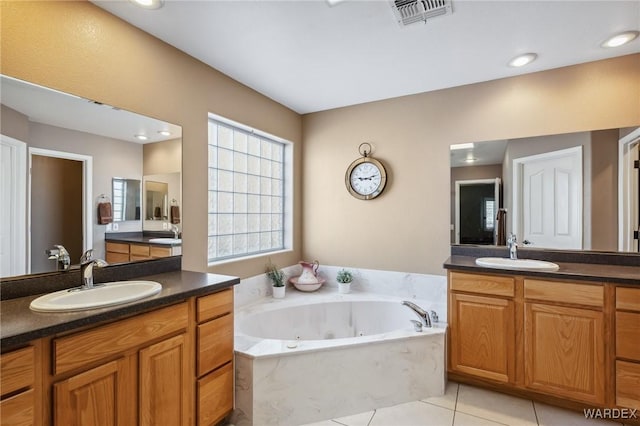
[48,128]
[574,191]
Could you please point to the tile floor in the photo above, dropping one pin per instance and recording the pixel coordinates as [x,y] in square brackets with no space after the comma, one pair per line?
[464,405]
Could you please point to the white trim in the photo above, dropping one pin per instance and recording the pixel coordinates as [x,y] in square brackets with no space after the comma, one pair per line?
[87,193]
[626,222]
[495,181]
[516,201]
[18,206]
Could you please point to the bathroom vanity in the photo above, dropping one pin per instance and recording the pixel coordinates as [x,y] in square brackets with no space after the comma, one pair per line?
[134,246]
[568,337]
[166,359]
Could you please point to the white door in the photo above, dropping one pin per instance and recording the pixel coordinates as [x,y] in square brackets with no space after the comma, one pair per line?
[548,204]
[13,201]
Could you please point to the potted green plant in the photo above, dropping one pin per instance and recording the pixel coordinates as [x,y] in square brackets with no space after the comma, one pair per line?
[278,279]
[344,278]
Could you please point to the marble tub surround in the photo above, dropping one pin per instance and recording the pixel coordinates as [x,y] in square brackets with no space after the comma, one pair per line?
[409,286]
[292,382]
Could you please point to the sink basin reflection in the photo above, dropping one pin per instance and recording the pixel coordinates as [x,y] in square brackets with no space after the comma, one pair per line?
[108,294]
[505,263]
[165,240]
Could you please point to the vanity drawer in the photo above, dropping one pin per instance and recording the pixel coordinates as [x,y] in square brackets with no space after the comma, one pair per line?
[628,384]
[483,284]
[17,369]
[215,395]
[628,299]
[214,305]
[19,409]
[215,344]
[86,347]
[118,247]
[139,250]
[159,251]
[553,291]
[628,335]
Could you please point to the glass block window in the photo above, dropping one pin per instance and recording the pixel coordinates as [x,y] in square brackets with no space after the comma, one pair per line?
[246,192]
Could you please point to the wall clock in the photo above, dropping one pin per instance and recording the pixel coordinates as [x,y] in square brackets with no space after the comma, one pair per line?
[366,177]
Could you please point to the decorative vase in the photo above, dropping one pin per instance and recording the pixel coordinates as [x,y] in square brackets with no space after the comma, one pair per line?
[344,288]
[278,292]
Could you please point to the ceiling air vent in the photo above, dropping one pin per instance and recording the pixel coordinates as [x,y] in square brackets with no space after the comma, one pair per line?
[411,11]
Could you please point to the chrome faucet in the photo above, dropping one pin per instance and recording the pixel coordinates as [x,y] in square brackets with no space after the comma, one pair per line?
[425,320]
[512,244]
[176,231]
[61,255]
[86,268]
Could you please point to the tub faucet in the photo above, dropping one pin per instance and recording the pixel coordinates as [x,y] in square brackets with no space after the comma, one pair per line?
[512,244]
[425,320]
[61,255]
[86,268]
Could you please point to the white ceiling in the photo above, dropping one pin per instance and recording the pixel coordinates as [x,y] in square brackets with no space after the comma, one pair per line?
[48,106]
[312,57]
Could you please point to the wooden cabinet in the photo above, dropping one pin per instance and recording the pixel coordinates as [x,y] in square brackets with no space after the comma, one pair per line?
[627,365]
[133,371]
[538,335]
[18,387]
[132,252]
[214,357]
[482,336]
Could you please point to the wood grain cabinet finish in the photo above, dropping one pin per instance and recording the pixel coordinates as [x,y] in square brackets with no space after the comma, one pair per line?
[564,351]
[538,337]
[627,368]
[126,252]
[17,379]
[214,367]
[483,337]
[103,396]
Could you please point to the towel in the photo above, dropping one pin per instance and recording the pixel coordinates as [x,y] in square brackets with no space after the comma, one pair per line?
[175,214]
[157,213]
[502,227]
[104,213]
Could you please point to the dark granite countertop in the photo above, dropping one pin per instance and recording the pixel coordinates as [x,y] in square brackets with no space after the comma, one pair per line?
[19,324]
[621,274]
[139,237]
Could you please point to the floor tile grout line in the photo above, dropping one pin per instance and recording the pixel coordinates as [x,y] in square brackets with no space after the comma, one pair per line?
[535,412]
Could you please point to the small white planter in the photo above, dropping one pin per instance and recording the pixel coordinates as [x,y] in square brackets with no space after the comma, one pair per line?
[278,292]
[344,288]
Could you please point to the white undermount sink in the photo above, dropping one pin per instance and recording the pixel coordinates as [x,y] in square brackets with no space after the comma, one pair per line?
[108,294]
[165,240]
[505,263]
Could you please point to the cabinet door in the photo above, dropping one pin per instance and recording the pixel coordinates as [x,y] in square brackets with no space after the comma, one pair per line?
[215,395]
[18,410]
[564,352]
[103,396]
[164,384]
[483,337]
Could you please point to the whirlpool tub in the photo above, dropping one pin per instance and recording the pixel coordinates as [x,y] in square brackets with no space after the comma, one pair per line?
[311,357]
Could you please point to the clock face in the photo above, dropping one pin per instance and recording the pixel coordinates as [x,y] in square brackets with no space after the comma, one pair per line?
[366,178]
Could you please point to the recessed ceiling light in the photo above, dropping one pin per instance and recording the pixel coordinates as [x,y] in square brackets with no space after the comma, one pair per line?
[165,132]
[461,146]
[149,4]
[141,137]
[470,160]
[522,60]
[620,39]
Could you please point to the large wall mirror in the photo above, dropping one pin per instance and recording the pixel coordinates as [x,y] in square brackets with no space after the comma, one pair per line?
[574,191]
[79,153]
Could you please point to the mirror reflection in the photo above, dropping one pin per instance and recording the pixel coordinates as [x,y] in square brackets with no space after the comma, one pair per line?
[576,191]
[81,153]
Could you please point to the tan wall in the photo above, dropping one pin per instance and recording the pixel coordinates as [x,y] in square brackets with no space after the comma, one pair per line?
[162,157]
[14,124]
[78,48]
[407,228]
[604,189]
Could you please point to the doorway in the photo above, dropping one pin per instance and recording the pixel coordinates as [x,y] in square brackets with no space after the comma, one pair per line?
[629,192]
[13,207]
[476,206]
[547,199]
[60,199]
